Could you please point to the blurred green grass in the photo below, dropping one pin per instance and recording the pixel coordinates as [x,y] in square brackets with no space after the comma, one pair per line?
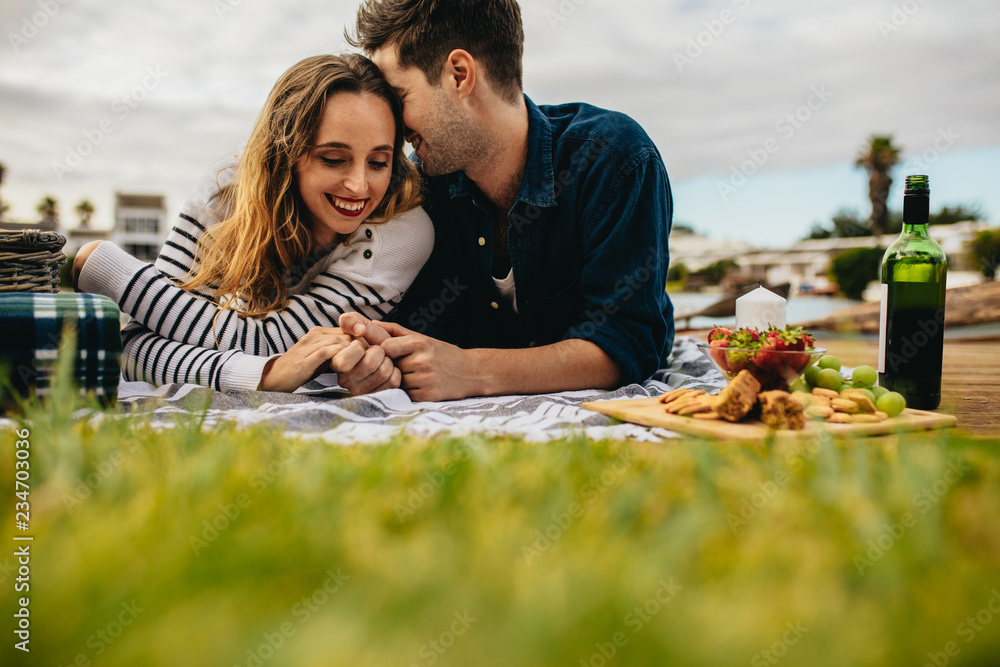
[247,547]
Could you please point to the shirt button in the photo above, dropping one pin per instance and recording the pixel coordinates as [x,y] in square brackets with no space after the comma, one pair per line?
[368,254]
[482,241]
[494,304]
[368,233]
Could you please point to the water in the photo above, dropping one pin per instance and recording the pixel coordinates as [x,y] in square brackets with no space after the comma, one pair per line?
[800,308]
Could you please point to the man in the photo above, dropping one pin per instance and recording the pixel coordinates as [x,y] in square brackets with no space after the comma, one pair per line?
[551,222]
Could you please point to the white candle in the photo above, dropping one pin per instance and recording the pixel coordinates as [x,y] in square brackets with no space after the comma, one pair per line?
[760,309]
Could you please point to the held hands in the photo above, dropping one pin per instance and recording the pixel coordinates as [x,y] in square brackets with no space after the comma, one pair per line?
[428,369]
[322,347]
[362,353]
[375,371]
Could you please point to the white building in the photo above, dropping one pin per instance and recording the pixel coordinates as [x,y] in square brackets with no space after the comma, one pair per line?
[805,265]
[140,224]
[696,251]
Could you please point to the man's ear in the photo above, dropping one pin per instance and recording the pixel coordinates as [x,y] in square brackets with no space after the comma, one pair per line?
[460,73]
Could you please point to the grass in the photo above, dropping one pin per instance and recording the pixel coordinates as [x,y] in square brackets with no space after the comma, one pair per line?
[246,547]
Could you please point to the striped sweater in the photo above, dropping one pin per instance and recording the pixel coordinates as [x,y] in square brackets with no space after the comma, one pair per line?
[183,336]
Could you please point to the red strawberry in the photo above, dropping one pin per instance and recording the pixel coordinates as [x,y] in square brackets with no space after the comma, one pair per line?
[719,355]
[719,333]
[748,336]
[766,359]
[793,339]
[746,340]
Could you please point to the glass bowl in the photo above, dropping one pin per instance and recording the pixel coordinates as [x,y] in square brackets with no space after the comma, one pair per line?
[774,370]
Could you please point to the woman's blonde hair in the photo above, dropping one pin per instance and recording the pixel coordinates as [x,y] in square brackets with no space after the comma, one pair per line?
[246,257]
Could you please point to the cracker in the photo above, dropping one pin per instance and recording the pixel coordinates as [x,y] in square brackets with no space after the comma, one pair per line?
[844,405]
[828,393]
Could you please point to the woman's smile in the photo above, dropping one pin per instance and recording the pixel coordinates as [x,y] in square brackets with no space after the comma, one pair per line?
[347,206]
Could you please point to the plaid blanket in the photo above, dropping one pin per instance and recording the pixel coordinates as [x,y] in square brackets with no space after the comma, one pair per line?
[34,329]
[322,409]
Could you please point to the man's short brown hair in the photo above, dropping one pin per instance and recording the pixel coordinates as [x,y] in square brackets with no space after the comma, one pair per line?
[426,31]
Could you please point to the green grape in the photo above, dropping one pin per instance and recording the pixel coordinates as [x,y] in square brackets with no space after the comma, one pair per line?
[799,385]
[869,393]
[811,374]
[879,391]
[829,361]
[891,403]
[829,378]
[865,375]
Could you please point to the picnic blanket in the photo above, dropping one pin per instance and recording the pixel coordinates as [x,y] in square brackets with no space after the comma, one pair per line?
[324,410]
[35,326]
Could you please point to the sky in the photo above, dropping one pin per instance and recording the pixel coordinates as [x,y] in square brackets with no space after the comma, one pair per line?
[758,108]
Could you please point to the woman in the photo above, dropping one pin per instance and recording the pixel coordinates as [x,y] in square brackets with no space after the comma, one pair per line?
[319,216]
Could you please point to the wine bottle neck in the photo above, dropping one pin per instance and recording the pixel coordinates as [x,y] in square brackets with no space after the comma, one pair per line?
[916,213]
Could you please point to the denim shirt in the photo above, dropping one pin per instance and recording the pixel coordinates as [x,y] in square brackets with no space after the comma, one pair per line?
[587,241]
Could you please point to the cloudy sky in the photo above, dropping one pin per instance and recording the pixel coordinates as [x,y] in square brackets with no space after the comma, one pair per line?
[758,107]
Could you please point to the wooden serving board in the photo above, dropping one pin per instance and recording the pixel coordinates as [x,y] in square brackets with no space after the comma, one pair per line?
[650,412]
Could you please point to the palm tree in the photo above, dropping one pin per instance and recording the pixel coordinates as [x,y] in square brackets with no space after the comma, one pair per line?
[48,208]
[86,211]
[878,157]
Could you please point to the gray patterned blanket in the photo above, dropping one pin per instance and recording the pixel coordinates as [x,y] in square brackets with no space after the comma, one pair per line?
[323,410]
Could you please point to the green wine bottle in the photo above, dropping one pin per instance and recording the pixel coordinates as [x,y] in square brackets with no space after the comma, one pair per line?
[911,331]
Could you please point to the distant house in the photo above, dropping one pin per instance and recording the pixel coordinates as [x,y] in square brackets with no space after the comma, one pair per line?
[805,265]
[140,224]
[81,235]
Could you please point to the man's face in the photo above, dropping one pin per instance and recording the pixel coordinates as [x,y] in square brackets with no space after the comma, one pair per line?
[442,134]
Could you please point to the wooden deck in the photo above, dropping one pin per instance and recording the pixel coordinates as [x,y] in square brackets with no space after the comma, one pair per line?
[970,384]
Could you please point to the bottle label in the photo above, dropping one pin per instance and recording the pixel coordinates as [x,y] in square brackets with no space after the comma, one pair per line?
[882,327]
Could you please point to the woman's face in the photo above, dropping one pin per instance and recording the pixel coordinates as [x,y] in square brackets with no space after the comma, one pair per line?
[345,173]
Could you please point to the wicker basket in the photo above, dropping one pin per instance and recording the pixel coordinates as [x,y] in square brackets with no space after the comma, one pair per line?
[30,260]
